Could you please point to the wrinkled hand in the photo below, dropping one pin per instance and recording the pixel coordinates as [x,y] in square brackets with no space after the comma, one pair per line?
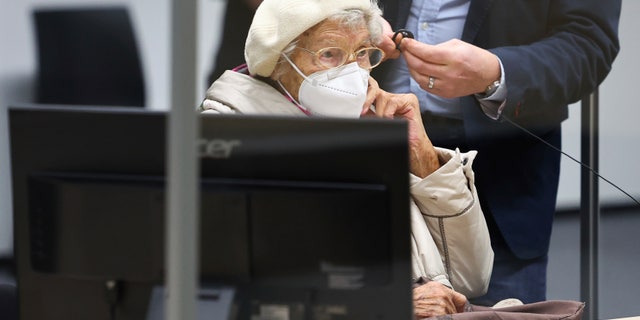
[422,156]
[459,68]
[435,299]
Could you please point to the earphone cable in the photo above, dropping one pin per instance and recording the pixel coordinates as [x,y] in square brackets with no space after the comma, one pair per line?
[570,157]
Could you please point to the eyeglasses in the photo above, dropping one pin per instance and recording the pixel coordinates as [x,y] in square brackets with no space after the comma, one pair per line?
[332,57]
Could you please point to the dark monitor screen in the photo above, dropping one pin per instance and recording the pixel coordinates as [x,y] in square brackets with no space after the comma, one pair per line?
[307,214]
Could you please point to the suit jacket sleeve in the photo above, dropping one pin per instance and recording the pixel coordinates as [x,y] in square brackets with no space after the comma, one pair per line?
[554,52]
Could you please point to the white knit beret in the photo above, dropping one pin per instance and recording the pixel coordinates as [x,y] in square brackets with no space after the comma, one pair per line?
[278,22]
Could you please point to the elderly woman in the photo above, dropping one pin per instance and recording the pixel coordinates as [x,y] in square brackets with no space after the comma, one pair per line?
[312,58]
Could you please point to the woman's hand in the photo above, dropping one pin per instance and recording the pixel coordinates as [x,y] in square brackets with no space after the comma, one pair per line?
[386,43]
[435,299]
[422,156]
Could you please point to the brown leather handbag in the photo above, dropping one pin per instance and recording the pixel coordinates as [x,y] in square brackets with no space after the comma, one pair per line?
[545,310]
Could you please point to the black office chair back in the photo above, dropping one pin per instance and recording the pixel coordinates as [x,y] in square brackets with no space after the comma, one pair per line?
[88,56]
[8,302]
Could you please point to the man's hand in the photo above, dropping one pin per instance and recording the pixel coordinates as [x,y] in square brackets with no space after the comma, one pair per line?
[435,299]
[457,68]
[387,45]
[422,156]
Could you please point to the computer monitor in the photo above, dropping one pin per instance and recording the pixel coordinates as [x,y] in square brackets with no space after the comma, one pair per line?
[309,216]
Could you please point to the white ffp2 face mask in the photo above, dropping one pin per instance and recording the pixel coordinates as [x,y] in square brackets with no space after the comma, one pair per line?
[336,92]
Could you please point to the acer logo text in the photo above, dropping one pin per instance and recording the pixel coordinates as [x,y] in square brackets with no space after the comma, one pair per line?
[217,149]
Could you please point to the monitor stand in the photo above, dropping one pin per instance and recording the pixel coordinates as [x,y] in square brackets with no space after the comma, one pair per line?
[212,303]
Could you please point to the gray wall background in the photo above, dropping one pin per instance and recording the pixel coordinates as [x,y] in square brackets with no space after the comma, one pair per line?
[620,130]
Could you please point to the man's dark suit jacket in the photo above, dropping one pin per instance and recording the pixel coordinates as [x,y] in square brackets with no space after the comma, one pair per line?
[554,52]
[237,20]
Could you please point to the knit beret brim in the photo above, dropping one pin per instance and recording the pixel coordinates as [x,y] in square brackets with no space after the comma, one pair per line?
[278,22]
